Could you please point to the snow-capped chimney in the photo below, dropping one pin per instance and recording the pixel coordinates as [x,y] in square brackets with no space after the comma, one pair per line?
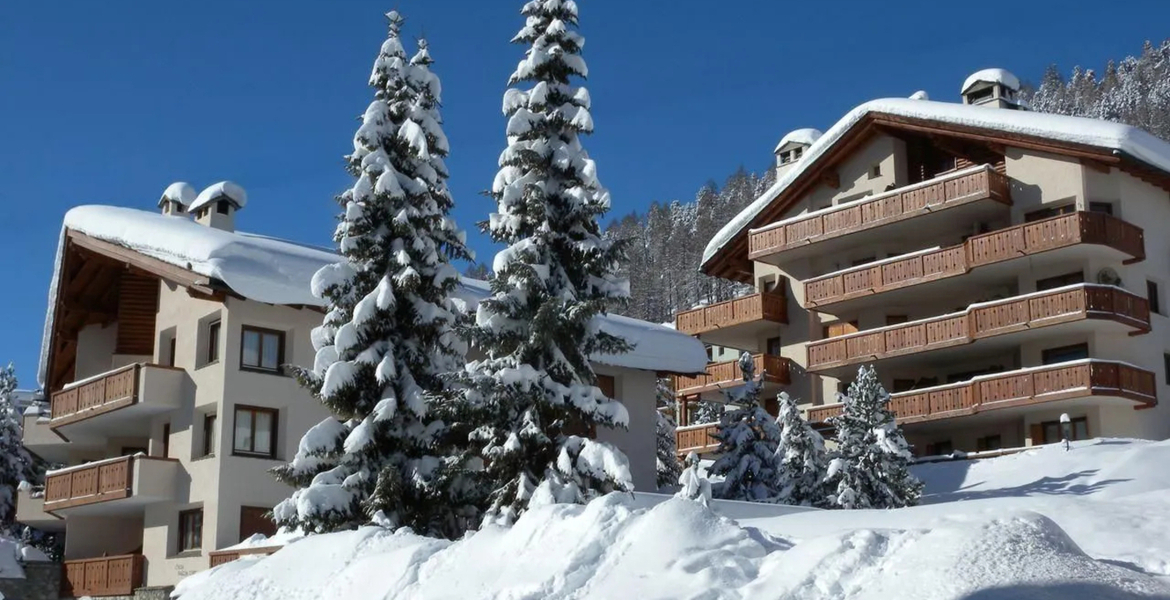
[792,148]
[996,88]
[216,206]
[176,198]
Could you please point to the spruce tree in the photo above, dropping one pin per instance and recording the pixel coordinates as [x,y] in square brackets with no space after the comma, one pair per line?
[388,337]
[536,391]
[870,466]
[802,460]
[668,467]
[16,464]
[748,438]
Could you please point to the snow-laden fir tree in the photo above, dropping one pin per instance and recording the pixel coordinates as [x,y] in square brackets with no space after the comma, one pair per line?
[536,391]
[869,468]
[802,461]
[692,485]
[388,337]
[16,464]
[748,438]
[668,467]
[709,411]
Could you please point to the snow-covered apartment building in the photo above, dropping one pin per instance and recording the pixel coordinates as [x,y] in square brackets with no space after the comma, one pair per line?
[164,369]
[999,268]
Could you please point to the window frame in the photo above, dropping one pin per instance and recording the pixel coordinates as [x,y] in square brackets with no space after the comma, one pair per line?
[222,207]
[209,447]
[1097,206]
[186,528]
[262,331]
[1154,296]
[214,333]
[254,410]
[1166,366]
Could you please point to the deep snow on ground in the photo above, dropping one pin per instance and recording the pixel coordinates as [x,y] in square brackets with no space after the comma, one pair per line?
[1090,523]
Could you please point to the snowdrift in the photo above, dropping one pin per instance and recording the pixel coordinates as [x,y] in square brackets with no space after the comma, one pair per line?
[1044,524]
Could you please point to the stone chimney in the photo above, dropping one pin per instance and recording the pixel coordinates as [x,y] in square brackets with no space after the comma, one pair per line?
[995,88]
[792,148]
[176,198]
[216,206]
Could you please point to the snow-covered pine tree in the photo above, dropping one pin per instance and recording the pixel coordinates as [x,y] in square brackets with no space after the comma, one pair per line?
[748,438]
[667,449]
[536,390]
[388,335]
[692,485]
[709,411]
[870,466]
[16,464]
[802,461]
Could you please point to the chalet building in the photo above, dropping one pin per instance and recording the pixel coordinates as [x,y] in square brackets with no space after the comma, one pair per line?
[164,368]
[991,263]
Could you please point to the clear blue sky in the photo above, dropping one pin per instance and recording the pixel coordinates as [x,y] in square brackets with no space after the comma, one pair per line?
[108,102]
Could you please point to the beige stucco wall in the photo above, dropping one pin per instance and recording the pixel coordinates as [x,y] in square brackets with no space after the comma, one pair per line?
[637,391]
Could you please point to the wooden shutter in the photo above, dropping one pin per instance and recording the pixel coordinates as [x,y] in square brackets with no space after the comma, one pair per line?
[137,307]
[253,521]
[1037,434]
[607,385]
[842,328]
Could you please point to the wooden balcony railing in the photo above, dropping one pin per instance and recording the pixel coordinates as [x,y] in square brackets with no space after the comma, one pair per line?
[763,306]
[985,320]
[727,374]
[220,557]
[105,576]
[100,481]
[954,189]
[102,393]
[986,249]
[1052,383]
[696,438]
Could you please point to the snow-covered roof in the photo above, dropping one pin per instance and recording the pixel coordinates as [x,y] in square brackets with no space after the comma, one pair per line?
[805,136]
[223,189]
[1003,76]
[656,347]
[179,191]
[1114,137]
[276,271]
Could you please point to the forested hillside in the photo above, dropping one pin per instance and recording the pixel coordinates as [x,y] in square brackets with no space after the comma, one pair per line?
[666,244]
[1135,91]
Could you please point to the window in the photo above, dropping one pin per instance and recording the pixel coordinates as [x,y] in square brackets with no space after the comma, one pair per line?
[262,349]
[864,261]
[773,346]
[1064,354]
[896,319]
[1152,296]
[940,448]
[208,435]
[1050,283]
[255,432]
[710,354]
[1049,432]
[1048,213]
[875,171]
[166,441]
[990,442]
[221,207]
[983,94]
[253,520]
[903,385]
[171,353]
[797,152]
[608,385]
[1166,367]
[1101,207]
[191,530]
[213,341]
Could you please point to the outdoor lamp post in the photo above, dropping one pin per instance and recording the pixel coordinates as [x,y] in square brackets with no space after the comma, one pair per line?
[1066,429]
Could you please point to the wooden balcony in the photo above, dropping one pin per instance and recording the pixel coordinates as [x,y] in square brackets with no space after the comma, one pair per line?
[133,480]
[724,375]
[737,320]
[997,247]
[1026,387]
[986,320]
[977,185]
[696,438]
[117,389]
[105,576]
[220,557]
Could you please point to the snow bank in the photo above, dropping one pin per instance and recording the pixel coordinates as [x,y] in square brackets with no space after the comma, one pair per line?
[1089,523]
[1091,132]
